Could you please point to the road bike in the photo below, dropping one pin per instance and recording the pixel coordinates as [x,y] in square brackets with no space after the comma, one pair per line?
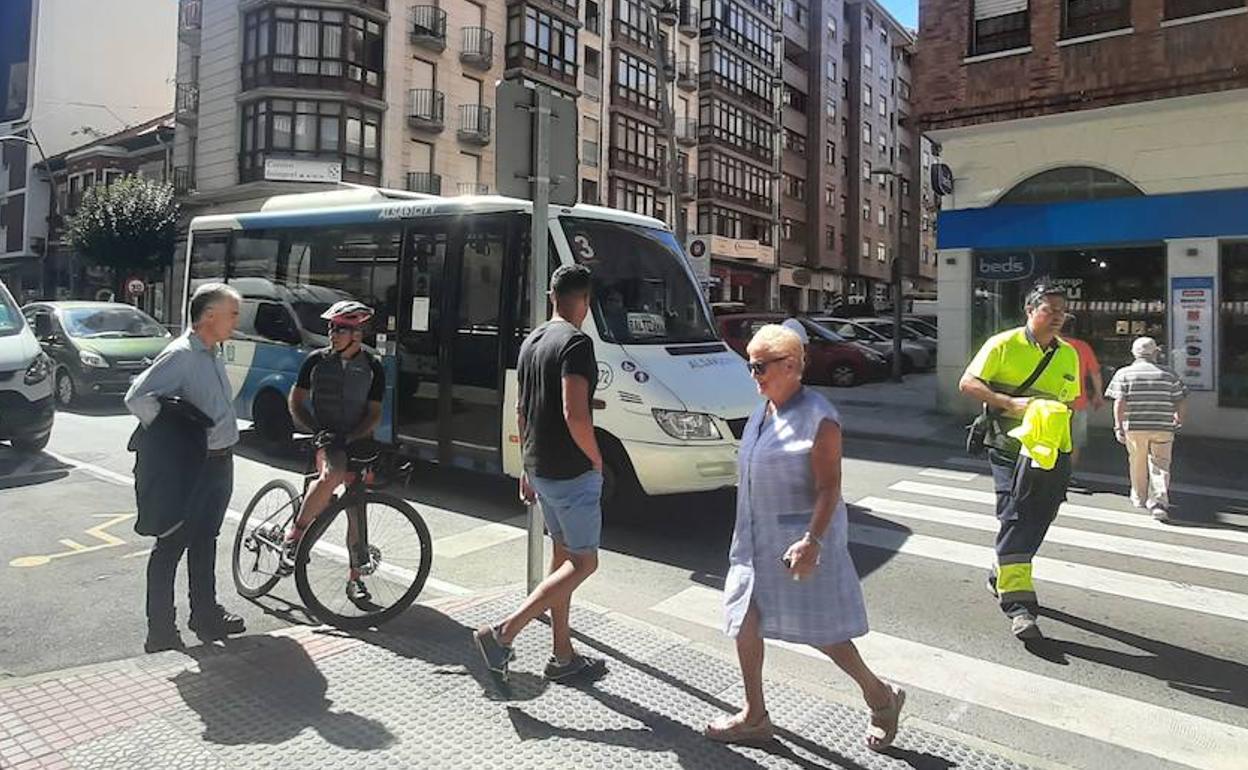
[380,535]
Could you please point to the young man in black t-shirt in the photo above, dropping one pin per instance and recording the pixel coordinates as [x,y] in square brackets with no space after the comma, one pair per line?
[562,470]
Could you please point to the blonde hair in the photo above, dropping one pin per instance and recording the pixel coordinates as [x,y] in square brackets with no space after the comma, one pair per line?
[779,341]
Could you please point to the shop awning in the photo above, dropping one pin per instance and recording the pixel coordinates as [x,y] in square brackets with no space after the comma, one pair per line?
[1136,220]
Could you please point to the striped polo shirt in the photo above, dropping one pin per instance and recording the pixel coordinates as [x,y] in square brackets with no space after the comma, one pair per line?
[1151,393]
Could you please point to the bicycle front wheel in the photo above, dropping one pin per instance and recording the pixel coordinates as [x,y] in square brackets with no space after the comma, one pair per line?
[382,537]
[257,556]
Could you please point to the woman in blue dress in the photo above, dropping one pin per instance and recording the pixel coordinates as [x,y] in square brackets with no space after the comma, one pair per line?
[790,576]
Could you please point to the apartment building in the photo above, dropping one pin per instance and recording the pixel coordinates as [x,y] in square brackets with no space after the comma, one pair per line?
[853,175]
[66,89]
[1100,146]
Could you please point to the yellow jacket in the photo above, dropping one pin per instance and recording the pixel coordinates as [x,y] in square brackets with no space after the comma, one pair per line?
[1045,432]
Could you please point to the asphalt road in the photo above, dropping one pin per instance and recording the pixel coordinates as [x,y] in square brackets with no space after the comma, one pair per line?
[1146,664]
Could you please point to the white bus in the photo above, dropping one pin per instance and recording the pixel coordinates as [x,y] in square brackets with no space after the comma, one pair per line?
[448,277]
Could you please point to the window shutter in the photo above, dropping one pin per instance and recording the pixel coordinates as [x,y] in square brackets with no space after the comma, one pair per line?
[989,9]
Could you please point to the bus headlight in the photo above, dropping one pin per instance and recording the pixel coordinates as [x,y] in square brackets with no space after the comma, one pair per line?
[687,426]
[38,370]
[92,359]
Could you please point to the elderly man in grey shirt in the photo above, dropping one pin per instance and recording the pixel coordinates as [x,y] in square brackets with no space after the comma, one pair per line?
[191,368]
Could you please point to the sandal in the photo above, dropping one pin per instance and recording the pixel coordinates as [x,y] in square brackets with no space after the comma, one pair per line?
[884,722]
[725,730]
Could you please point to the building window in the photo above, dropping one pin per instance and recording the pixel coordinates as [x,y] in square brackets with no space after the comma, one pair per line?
[829,197]
[903,89]
[829,69]
[635,147]
[797,11]
[867,134]
[794,98]
[589,191]
[866,211]
[636,197]
[636,82]
[866,96]
[727,20]
[866,249]
[794,187]
[829,236]
[718,220]
[1233,368]
[729,177]
[905,219]
[632,21]
[830,107]
[794,142]
[829,153]
[1070,183]
[868,59]
[593,21]
[883,106]
[1000,25]
[725,122]
[881,252]
[1176,9]
[1088,17]
[541,42]
[881,216]
[313,48]
[866,169]
[320,130]
[726,70]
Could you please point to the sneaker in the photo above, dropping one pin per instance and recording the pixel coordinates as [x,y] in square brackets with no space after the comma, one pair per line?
[290,549]
[1160,514]
[577,665]
[357,592]
[160,641]
[497,656]
[1024,627]
[222,625]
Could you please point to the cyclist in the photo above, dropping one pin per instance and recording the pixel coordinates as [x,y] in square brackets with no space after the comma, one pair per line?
[338,399]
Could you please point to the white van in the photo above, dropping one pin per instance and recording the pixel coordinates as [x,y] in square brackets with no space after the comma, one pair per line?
[26,405]
[449,278]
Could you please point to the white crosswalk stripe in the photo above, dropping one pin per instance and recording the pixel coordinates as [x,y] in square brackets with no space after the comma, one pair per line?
[1165,733]
[1075,511]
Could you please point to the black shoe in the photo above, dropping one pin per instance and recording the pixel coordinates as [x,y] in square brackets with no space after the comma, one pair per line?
[161,641]
[357,592]
[992,586]
[577,665]
[222,625]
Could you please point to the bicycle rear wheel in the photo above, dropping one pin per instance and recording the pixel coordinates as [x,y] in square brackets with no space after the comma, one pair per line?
[393,549]
[257,555]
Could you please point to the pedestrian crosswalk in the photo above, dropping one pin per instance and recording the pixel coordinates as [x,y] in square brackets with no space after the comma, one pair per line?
[946,516]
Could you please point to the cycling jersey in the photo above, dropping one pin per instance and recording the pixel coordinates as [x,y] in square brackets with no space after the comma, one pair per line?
[340,389]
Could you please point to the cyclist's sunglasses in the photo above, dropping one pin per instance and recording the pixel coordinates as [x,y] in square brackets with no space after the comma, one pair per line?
[759,368]
[344,328]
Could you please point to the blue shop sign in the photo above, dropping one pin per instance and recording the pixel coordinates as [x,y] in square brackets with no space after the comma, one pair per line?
[1004,267]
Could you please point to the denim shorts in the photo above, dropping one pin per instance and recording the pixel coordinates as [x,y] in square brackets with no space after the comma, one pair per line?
[572,509]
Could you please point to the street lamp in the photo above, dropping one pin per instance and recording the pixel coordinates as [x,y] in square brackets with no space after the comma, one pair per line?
[664,13]
[895,275]
[33,141]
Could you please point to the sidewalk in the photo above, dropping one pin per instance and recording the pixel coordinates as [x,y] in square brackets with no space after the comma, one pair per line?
[416,695]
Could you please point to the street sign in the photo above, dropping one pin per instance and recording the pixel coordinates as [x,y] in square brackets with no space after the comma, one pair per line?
[135,286]
[514,105]
[942,178]
[298,170]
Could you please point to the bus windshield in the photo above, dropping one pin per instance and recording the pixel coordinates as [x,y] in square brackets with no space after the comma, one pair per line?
[643,292]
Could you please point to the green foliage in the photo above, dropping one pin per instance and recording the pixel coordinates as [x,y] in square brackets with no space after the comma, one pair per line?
[128,225]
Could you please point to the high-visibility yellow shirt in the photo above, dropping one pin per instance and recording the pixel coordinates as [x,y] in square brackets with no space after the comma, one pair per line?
[1044,432]
[1008,358]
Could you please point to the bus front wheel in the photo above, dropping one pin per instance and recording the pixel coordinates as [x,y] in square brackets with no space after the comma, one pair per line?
[272,419]
[620,489]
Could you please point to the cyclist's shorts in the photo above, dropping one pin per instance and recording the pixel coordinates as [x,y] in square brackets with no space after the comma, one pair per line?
[359,455]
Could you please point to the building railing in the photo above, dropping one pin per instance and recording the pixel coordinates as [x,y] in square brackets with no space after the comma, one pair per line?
[183,179]
[473,188]
[686,131]
[687,74]
[186,100]
[424,182]
[428,27]
[426,108]
[477,47]
[475,123]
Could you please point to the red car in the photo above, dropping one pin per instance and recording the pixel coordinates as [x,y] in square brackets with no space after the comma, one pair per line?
[832,359]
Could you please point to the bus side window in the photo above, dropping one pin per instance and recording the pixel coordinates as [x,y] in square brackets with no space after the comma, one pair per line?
[523,312]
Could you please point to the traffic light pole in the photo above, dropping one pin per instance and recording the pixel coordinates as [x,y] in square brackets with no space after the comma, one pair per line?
[538,273]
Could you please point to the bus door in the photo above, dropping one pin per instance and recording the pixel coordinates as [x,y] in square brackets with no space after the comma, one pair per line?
[449,396]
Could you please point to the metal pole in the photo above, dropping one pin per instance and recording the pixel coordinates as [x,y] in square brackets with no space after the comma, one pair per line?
[537,285]
[896,276]
[674,172]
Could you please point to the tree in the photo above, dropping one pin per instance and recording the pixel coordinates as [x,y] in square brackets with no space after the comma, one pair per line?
[130,225]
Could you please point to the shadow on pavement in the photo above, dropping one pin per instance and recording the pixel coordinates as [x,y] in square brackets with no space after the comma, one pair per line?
[269,695]
[18,469]
[1185,670]
[96,406]
[423,633]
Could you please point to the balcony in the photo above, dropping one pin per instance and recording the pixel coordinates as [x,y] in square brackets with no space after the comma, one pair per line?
[426,109]
[183,180]
[689,18]
[477,47]
[686,131]
[687,75]
[424,182]
[190,20]
[429,27]
[475,124]
[473,188]
[645,166]
[688,187]
[186,103]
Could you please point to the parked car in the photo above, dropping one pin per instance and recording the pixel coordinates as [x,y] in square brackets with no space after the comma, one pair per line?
[27,408]
[98,348]
[884,326]
[915,357]
[832,359]
[921,325]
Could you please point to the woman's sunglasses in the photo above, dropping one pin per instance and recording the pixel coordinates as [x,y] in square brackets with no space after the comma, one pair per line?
[759,368]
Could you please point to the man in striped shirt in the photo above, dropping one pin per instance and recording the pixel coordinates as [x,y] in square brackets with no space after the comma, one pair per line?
[1149,404]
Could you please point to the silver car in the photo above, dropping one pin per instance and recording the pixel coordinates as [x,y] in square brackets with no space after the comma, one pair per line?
[908,332]
[914,357]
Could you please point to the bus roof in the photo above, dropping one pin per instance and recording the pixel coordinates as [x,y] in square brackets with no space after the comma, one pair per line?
[366,205]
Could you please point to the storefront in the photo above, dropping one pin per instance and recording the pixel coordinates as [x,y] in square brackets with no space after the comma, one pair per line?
[1173,267]
[741,271]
